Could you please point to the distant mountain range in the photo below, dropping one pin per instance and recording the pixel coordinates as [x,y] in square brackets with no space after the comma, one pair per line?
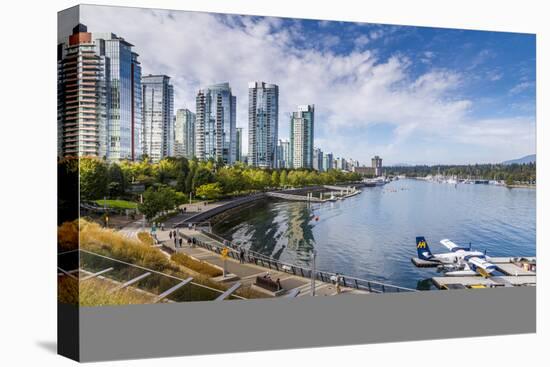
[527,159]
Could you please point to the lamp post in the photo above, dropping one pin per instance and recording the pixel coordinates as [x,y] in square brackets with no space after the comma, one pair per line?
[313,256]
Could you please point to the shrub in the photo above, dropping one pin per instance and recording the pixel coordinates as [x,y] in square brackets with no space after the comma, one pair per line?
[107,242]
[146,238]
[196,265]
[95,292]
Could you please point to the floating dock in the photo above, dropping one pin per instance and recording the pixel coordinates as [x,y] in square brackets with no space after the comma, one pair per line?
[476,281]
[517,271]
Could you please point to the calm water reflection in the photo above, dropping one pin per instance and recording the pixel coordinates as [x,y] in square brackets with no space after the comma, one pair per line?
[372,234]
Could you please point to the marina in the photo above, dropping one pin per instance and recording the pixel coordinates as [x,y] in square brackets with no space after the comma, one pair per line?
[371,234]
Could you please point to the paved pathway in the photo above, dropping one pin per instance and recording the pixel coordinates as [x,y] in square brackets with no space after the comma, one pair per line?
[247,272]
[131,230]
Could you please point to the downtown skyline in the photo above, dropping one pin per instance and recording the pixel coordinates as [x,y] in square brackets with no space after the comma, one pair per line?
[411,94]
[108,109]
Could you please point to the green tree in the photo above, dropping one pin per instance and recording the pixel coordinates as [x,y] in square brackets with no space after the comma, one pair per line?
[210,191]
[117,181]
[230,179]
[275,179]
[93,178]
[157,200]
[283,180]
[202,176]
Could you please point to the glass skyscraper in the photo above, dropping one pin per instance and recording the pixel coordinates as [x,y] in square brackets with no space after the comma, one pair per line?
[216,127]
[184,134]
[158,120]
[328,161]
[124,122]
[263,124]
[318,159]
[239,145]
[301,136]
[283,154]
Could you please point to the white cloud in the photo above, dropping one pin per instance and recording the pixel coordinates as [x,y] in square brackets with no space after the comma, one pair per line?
[520,87]
[361,41]
[350,91]
[494,75]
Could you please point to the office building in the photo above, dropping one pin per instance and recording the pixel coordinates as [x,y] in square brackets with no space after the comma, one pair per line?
[124,119]
[318,160]
[328,161]
[158,120]
[377,165]
[263,124]
[301,136]
[283,154]
[184,134]
[239,145]
[215,127]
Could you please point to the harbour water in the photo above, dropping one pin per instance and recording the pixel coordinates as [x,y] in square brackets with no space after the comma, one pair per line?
[372,235]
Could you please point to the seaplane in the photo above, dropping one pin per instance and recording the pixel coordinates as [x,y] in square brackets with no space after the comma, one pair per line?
[460,261]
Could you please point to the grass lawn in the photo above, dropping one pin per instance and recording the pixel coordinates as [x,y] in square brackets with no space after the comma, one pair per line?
[117,204]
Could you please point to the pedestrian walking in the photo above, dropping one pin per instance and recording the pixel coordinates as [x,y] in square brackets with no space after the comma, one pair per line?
[175,242]
[170,234]
[188,242]
[338,289]
[181,242]
[241,255]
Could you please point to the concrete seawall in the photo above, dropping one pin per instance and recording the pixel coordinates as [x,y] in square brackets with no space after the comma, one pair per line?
[204,216]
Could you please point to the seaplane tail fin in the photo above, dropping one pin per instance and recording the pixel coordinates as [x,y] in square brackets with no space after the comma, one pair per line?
[422,249]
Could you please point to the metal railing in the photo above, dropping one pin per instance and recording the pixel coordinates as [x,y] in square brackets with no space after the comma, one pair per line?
[305,272]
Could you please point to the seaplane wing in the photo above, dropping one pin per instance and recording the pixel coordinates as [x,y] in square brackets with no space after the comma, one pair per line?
[451,246]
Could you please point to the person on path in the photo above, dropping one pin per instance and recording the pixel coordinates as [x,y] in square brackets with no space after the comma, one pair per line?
[175,242]
[181,242]
[338,289]
[241,255]
[170,234]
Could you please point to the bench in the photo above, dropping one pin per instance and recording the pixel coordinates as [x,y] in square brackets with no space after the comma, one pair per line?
[268,285]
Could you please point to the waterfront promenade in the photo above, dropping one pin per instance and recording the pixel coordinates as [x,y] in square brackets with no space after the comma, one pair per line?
[247,273]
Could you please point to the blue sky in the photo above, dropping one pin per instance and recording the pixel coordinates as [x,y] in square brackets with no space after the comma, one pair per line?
[409,94]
